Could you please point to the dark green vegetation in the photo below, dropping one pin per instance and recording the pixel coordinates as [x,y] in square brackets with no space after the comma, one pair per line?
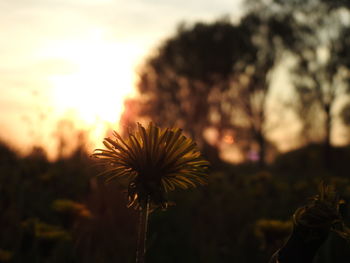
[55,212]
[59,212]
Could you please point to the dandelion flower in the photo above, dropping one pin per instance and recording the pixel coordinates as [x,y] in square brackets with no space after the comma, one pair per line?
[154,161]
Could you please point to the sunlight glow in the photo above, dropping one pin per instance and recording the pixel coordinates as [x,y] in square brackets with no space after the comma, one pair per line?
[229,139]
[100,79]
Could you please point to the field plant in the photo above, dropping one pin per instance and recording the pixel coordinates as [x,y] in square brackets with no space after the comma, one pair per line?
[153,161]
[322,212]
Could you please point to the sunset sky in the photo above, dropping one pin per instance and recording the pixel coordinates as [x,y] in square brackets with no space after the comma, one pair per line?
[76,60]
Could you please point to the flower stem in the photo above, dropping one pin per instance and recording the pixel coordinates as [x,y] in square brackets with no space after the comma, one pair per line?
[142,235]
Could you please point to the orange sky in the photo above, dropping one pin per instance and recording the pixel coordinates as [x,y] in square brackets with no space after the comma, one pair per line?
[76,60]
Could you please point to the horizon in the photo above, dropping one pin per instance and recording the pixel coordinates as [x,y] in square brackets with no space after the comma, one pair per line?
[77,61]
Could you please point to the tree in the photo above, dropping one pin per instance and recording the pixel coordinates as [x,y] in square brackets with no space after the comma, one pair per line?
[213,76]
[321,70]
[269,35]
[183,83]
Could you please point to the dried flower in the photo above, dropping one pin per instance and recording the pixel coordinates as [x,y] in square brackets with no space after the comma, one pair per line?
[323,212]
[154,161]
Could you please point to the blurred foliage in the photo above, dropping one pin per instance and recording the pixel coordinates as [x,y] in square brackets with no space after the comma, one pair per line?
[44,231]
[5,256]
[272,233]
[70,207]
[58,211]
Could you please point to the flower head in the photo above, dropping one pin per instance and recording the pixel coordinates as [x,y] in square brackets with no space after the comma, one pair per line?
[154,161]
[323,212]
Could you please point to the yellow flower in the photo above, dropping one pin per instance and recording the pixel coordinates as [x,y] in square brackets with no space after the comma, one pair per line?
[154,161]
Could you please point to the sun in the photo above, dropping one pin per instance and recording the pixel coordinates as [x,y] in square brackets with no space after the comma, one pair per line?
[100,77]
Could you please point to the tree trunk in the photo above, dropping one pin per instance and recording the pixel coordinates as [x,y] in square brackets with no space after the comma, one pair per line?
[262,150]
[327,139]
[211,153]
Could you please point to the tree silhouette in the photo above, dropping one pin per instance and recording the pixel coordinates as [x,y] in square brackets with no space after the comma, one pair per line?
[183,83]
[321,71]
[213,76]
[269,35]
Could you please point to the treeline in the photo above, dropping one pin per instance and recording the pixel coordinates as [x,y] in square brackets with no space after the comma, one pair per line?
[220,78]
